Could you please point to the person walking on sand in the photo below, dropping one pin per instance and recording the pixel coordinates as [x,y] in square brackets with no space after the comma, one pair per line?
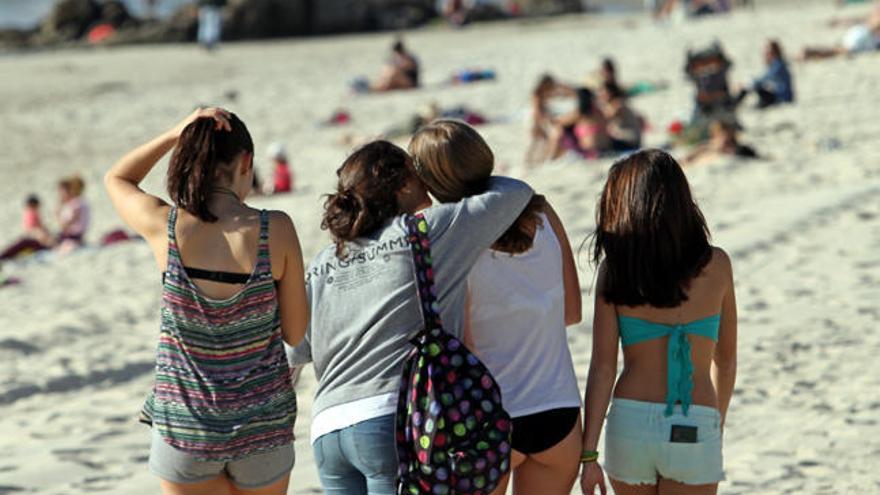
[522,293]
[222,409]
[366,307]
[210,22]
[667,295]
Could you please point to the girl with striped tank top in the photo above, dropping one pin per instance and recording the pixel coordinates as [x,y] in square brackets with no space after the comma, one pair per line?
[223,406]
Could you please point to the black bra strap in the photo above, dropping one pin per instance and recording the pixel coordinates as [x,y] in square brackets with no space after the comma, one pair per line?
[222,277]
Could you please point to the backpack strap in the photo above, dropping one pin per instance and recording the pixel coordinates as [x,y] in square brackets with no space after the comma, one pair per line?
[420,244]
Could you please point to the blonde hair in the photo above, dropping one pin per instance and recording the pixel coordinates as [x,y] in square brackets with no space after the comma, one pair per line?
[74,185]
[452,159]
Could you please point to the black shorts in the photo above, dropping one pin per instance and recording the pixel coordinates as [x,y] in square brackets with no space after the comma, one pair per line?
[540,431]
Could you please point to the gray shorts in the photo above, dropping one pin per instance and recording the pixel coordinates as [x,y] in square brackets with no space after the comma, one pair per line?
[256,471]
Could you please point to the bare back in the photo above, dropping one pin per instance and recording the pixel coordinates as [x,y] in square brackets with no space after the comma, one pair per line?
[644,375]
[228,245]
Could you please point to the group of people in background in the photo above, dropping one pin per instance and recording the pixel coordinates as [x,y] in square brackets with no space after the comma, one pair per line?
[420,236]
[72,215]
[601,122]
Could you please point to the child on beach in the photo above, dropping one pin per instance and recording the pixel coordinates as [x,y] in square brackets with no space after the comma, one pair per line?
[522,293]
[34,237]
[667,295]
[222,409]
[282,175]
[365,306]
[74,214]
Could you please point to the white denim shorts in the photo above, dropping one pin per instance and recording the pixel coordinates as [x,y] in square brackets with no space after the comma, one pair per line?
[638,449]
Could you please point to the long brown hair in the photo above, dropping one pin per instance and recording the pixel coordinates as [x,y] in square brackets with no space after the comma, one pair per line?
[203,156]
[366,194]
[650,232]
[454,162]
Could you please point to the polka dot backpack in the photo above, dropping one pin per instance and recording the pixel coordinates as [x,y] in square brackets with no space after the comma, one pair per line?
[453,436]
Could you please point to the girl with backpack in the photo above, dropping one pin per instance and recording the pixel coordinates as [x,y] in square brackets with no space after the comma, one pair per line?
[523,292]
[366,307]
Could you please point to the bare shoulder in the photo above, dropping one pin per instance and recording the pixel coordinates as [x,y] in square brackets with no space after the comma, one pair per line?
[283,232]
[719,265]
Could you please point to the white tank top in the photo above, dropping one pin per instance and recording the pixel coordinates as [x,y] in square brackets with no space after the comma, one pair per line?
[517,315]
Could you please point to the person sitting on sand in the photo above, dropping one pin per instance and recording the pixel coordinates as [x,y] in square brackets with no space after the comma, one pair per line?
[583,131]
[223,408]
[723,141]
[35,237]
[775,86]
[666,295]
[543,120]
[282,176]
[400,72]
[73,215]
[624,125]
[860,38]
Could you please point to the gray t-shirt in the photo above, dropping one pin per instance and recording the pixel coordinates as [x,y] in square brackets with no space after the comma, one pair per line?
[364,307]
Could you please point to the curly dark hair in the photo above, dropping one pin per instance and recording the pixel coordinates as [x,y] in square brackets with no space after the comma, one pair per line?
[366,195]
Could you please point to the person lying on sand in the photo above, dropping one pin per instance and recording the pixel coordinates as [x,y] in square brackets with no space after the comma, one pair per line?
[723,141]
[860,38]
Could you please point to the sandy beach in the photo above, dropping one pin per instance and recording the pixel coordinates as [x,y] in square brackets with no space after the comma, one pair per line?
[802,225]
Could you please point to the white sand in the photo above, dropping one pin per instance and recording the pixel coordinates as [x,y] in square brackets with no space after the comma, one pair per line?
[77,338]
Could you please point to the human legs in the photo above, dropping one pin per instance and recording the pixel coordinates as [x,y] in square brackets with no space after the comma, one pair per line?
[217,486]
[670,487]
[21,246]
[621,488]
[516,460]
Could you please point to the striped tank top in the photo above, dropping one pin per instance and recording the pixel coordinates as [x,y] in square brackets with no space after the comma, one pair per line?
[222,386]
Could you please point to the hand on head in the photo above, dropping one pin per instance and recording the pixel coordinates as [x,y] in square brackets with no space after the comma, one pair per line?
[220,116]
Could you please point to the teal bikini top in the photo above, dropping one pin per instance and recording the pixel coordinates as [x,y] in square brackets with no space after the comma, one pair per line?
[679,379]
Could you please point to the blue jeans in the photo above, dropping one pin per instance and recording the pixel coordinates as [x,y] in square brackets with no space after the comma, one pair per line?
[360,459]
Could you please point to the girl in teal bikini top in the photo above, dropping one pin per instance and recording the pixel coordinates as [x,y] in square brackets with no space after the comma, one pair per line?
[679,368]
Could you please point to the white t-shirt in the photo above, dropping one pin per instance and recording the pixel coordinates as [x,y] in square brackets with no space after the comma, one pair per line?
[517,315]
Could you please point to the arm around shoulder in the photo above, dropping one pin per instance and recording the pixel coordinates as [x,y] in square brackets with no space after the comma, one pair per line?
[292,300]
